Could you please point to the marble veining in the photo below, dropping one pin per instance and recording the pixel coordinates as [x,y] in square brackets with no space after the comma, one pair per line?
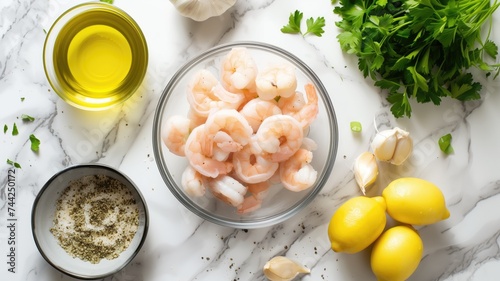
[181,246]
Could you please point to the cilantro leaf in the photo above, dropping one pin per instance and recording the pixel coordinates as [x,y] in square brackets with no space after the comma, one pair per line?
[23,98]
[35,143]
[294,20]
[15,164]
[15,132]
[27,118]
[315,26]
[5,128]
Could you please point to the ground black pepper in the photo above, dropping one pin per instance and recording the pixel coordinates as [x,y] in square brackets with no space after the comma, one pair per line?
[96,218]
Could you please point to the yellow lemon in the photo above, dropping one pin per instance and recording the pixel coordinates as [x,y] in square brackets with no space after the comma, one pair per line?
[396,254]
[415,201]
[356,224]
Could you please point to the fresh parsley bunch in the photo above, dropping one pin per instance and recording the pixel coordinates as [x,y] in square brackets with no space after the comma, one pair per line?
[419,48]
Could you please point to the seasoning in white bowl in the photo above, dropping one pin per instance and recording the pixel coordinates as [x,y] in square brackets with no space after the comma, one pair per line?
[96,218]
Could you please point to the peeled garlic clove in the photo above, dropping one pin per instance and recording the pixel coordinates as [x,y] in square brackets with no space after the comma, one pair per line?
[384,144]
[283,269]
[404,148]
[200,10]
[365,170]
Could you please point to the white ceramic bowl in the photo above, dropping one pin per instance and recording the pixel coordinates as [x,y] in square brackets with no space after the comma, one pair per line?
[42,220]
[280,204]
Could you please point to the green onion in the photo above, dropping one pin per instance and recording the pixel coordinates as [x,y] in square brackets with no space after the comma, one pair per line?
[356,126]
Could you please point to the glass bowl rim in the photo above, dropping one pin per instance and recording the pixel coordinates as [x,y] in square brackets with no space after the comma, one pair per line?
[183,198]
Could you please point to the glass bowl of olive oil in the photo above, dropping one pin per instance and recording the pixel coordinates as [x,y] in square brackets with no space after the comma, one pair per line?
[95,56]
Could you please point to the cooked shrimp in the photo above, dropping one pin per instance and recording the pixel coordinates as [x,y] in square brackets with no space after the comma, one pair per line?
[276,81]
[192,182]
[249,204]
[259,190]
[205,94]
[231,122]
[196,120]
[227,189]
[256,110]
[296,106]
[239,71]
[252,168]
[199,152]
[175,133]
[279,137]
[297,173]
[226,143]
[253,201]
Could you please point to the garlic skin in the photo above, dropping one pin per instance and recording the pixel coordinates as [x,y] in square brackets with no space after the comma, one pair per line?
[393,145]
[283,269]
[200,10]
[365,170]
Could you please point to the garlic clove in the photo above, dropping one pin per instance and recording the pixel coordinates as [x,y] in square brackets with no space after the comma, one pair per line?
[404,148]
[384,144]
[365,170]
[283,269]
[200,10]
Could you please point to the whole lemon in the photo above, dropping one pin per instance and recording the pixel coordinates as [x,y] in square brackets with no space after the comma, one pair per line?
[415,201]
[356,224]
[396,254]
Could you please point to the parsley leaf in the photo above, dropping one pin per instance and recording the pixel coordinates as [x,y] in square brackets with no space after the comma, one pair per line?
[15,164]
[5,128]
[108,1]
[15,132]
[315,26]
[35,143]
[27,118]
[293,26]
[445,144]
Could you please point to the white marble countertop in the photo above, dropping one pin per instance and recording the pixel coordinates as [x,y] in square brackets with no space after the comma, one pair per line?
[180,246]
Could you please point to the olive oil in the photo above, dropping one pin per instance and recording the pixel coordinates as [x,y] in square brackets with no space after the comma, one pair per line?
[99,58]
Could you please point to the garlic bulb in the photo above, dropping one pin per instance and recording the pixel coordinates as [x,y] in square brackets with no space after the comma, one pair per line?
[365,170]
[200,10]
[283,269]
[394,145]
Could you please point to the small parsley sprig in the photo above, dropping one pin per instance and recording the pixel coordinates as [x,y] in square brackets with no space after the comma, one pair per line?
[314,26]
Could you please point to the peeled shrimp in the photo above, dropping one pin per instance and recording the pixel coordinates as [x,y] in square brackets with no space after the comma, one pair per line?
[296,106]
[239,71]
[192,182]
[227,189]
[226,143]
[297,173]
[232,123]
[253,168]
[256,110]
[279,137]
[175,133]
[253,201]
[276,81]
[199,152]
[206,94]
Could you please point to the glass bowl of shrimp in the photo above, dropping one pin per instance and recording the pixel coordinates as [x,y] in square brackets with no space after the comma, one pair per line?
[245,135]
